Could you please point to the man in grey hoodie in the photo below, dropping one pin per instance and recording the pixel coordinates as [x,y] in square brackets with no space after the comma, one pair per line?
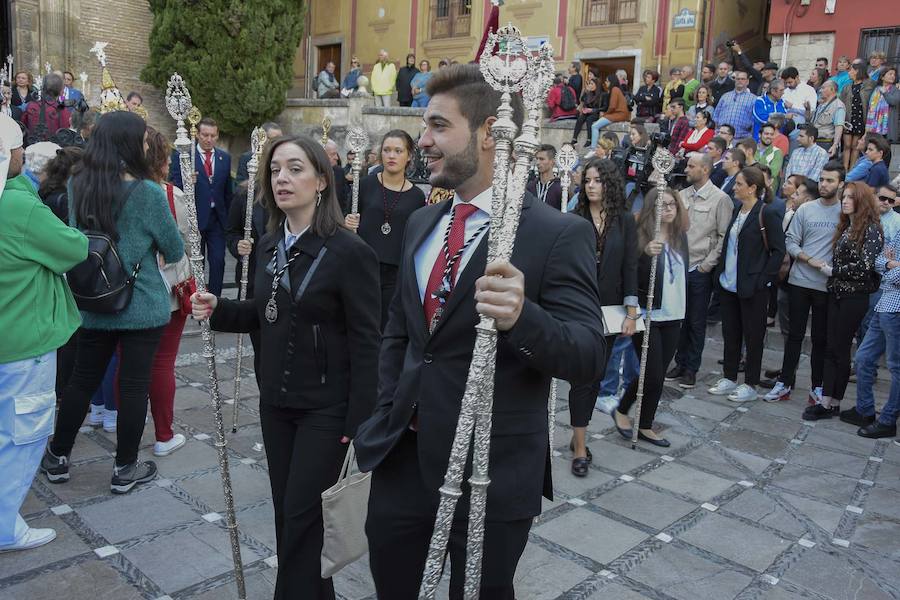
[809,242]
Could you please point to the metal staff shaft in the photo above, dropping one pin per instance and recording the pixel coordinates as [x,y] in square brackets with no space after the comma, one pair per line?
[358,141]
[663,162]
[252,168]
[178,101]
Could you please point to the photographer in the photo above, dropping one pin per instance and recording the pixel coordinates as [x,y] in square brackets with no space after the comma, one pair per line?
[45,116]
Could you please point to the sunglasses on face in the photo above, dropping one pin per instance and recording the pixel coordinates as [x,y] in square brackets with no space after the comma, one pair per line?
[886,199]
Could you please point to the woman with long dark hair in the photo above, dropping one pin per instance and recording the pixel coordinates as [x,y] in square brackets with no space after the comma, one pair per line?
[386,200]
[602,201]
[751,258]
[53,190]
[617,110]
[855,97]
[670,251]
[317,308]
[114,192]
[858,241]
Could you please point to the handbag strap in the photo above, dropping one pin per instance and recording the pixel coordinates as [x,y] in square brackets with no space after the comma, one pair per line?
[762,226]
[348,463]
[170,196]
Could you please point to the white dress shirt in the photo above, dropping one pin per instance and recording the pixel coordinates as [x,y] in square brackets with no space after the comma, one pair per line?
[428,252]
[290,238]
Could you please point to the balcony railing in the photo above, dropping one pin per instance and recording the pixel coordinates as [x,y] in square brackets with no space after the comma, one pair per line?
[610,12]
[450,18]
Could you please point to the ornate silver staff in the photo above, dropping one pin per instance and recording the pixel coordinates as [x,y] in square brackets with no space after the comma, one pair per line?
[506,73]
[257,141]
[663,163]
[358,142]
[326,127]
[178,103]
[194,117]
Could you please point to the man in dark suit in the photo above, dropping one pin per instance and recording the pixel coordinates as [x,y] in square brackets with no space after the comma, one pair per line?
[273,130]
[212,194]
[716,149]
[546,306]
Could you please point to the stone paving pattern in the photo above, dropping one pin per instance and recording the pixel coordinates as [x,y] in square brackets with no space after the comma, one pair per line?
[749,503]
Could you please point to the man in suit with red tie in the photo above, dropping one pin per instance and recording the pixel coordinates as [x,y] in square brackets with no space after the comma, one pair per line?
[546,306]
[212,195]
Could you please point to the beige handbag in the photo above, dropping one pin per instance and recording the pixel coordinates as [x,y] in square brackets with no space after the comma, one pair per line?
[344,509]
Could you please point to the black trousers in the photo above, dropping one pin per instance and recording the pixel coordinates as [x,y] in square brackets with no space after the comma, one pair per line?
[663,343]
[399,526]
[388,275]
[744,323]
[584,120]
[845,316]
[693,328]
[583,398]
[95,349]
[800,301]
[305,455]
[65,364]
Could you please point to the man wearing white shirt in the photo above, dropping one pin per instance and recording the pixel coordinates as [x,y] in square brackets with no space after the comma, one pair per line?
[799,98]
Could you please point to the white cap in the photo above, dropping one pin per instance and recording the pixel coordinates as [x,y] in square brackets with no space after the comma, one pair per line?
[38,155]
[10,133]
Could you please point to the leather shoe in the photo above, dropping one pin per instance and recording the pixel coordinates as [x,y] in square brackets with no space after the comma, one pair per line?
[625,433]
[877,430]
[661,442]
[580,467]
[852,416]
[590,457]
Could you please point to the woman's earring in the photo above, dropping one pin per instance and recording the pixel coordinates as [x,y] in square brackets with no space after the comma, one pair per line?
[318,197]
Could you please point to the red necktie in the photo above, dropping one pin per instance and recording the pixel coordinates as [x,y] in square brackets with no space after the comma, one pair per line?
[207,163]
[455,241]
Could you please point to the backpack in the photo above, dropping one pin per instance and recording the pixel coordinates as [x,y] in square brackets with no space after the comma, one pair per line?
[100,284]
[41,131]
[567,99]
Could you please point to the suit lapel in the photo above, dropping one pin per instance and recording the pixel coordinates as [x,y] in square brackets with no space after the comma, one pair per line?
[416,240]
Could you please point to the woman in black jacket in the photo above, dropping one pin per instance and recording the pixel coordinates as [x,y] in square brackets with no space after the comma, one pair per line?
[858,240]
[589,110]
[602,201]
[751,258]
[317,305]
[649,97]
[386,200]
[670,251]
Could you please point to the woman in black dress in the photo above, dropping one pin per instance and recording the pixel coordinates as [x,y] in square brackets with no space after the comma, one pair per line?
[316,307]
[386,200]
[855,97]
[602,201]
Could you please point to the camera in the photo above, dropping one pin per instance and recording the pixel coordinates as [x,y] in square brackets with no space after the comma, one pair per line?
[730,44]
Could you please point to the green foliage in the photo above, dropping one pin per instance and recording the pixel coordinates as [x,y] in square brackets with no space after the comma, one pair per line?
[236,56]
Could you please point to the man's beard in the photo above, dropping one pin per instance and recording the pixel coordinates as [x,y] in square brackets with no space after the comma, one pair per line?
[828,196]
[458,168]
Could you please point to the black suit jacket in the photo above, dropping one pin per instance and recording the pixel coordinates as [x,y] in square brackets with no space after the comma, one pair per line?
[242,173]
[558,334]
[617,265]
[322,353]
[718,175]
[756,268]
[234,232]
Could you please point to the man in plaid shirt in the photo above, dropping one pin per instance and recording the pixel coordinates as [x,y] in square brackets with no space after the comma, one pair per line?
[809,158]
[736,107]
[681,127]
[882,336]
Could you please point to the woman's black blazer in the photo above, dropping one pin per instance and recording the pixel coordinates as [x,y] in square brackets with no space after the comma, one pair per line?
[322,352]
[756,268]
[617,264]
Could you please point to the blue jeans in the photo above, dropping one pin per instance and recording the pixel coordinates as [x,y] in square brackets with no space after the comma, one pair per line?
[27,408]
[595,130]
[421,102]
[105,395]
[882,336]
[622,350]
[873,300]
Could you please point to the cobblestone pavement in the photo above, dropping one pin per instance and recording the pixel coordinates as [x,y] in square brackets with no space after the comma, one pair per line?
[748,503]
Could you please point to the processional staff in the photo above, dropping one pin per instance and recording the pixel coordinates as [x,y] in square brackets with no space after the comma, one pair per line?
[358,142]
[326,127]
[663,162]
[178,103]
[257,141]
[513,69]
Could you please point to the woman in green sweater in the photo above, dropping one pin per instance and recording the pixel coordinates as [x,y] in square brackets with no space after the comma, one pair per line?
[114,192]
[37,316]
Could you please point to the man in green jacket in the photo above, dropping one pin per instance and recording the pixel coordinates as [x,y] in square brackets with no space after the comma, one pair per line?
[37,316]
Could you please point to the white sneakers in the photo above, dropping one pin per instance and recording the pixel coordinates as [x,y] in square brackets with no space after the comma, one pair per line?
[167,448]
[32,539]
[743,393]
[95,419]
[723,387]
[607,404]
[735,392]
[779,392]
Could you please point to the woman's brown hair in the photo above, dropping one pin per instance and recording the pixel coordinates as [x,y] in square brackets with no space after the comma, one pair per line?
[646,224]
[864,213]
[158,152]
[753,176]
[327,218]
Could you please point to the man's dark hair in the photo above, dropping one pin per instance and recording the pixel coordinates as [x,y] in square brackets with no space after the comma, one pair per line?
[719,143]
[70,74]
[548,148]
[270,125]
[823,58]
[737,156]
[52,87]
[811,130]
[811,186]
[677,102]
[134,94]
[836,166]
[881,144]
[558,79]
[790,73]
[769,125]
[477,100]
[749,143]
[576,65]
[711,67]
[889,187]
[208,121]
[730,128]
